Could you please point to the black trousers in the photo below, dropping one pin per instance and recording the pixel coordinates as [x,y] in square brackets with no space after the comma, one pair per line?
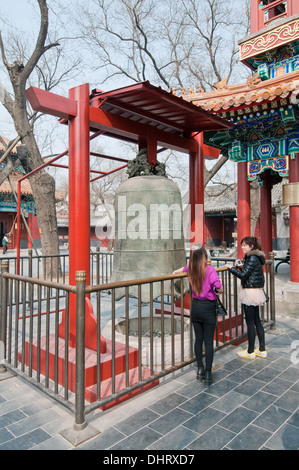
[254,327]
[203,317]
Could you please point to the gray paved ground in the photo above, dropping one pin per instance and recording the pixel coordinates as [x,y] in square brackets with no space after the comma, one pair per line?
[251,405]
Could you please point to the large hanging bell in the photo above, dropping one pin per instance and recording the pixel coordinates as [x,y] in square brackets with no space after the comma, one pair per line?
[149,237]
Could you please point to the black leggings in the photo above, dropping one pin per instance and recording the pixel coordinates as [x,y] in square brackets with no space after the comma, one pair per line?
[254,326]
[204,333]
[203,317]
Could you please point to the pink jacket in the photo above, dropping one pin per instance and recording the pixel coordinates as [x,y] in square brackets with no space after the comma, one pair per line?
[210,283]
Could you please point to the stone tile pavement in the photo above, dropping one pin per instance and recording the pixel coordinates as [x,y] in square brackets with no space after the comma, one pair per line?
[251,405]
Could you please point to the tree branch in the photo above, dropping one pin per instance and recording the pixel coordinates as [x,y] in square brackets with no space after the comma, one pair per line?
[4,59]
[40,47]
[215,168]
[6,99]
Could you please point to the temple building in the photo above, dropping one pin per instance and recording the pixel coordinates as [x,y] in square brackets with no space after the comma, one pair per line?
[8,207]
[264,142]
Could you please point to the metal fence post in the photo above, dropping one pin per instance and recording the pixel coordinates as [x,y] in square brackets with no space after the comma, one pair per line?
[80,422]
[272,291]
[30,263]
[3,316]
[97,266]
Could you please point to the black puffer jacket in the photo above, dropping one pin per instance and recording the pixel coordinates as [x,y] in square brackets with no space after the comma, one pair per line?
[251,274]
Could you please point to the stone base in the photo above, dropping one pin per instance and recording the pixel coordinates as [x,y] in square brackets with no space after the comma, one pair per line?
[120,385]
[290,292]
[287,309]
[90,361]
[78,437]
[287,299]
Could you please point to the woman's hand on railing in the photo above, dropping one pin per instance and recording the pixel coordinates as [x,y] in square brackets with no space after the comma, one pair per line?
[177,271]
[228,266]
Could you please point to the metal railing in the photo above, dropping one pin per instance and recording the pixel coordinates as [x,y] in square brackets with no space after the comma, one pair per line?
[155,336]
[34,266]
[31,265]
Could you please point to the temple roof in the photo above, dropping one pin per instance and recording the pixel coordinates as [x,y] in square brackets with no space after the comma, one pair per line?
[14,177]
[25,186]
[254,91]
[146,104]
[265,114]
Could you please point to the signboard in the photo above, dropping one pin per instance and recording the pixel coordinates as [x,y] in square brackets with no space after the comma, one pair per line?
[10,206]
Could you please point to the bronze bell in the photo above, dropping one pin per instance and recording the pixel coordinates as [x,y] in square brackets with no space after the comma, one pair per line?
[149,237]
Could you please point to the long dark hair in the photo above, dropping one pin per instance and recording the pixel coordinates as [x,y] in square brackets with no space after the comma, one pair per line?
[252,241]
[197,267]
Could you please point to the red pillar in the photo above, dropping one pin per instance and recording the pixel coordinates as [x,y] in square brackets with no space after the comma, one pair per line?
[79,214]
[266,214]
[294,223]
[243,208]
[19,227]
[29,222]
[196,192]
[79,203]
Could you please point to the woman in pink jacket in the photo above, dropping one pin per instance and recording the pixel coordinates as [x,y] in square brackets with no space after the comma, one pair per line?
[204,281]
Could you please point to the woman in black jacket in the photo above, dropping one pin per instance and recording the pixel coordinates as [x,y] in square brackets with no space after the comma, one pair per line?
[252,294]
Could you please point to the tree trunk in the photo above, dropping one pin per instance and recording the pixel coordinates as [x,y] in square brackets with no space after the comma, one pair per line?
[43,187]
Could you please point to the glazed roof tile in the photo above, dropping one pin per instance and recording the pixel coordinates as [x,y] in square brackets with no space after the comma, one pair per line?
[254,91]
[14,177]
[25,186]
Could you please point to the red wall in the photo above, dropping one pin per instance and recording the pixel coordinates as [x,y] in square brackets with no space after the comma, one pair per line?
[9,218]
[219,229]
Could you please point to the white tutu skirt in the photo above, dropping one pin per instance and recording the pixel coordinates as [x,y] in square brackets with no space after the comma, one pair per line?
[252,296]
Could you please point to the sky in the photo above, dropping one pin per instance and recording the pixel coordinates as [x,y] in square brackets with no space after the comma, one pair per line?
[19,14]
[24,16]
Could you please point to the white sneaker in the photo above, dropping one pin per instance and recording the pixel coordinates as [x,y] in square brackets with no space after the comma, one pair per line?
[260,353]
[246,355]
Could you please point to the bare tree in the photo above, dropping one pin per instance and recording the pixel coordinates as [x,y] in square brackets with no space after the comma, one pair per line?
[169,43]
[214,52]
[20,71]
[41,182]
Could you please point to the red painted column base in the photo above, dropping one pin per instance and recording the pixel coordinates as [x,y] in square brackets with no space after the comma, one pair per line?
[91,366]
[90,330]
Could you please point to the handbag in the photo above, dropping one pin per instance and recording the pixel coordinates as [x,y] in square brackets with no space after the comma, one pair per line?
[220,309]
